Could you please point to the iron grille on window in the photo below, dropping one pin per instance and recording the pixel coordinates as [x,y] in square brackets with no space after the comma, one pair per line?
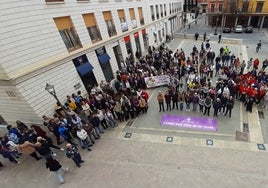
[94,33]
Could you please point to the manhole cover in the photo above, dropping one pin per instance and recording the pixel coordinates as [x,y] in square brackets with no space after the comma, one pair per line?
[261,147]
[209,142]
[169,139]
[128,135]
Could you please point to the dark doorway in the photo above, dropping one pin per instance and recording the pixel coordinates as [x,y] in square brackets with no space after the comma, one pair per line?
[85,70]
[89,80]
[118,56]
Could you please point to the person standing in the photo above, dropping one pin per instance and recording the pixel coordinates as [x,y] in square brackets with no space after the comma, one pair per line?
[216,106]
[219,38]
[249,104]
[160,99]
[264,64]
[94,120]
[73,153]
[265,102]
[43,147]
[83,137]
[229,106]
[168,101]
[26,147]
[204,36]
[188,100]
[175,97]
[207,104]
[54,166]
[195,101]
[7,154]
[196,36]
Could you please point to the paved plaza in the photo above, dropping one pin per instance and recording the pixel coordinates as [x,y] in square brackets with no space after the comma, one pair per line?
[143,154]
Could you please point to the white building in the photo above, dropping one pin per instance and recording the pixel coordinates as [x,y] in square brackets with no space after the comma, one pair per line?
[71,44]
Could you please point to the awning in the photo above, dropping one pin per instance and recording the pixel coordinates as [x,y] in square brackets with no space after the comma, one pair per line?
[104,58]
[84,68]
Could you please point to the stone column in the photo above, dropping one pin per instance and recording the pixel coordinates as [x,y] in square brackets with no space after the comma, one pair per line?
[249,20]
[262,20]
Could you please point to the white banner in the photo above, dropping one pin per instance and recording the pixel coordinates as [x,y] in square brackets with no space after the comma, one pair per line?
[155,81]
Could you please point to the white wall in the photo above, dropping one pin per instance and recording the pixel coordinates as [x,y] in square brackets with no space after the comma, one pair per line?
[30,41]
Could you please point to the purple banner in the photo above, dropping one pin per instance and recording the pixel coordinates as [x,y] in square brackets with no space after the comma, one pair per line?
[202,123]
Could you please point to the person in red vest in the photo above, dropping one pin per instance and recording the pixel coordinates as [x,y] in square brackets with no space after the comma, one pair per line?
[256,63]
[145,95]
[242,91]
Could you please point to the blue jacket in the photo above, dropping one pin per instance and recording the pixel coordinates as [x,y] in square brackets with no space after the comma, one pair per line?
[62,130]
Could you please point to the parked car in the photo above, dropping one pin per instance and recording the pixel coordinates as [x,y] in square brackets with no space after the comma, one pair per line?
[248,29]
[226,30]
[238,29]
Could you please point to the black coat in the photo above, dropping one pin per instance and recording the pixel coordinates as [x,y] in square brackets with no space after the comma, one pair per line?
[53,164]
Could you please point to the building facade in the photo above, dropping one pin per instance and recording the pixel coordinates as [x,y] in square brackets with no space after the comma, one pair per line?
[229,13]
[72,44]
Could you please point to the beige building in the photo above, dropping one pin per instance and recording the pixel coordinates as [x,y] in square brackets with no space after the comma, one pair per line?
[71,44]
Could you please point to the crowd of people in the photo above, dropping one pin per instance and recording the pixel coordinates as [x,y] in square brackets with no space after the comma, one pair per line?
[192,81]
[84,117]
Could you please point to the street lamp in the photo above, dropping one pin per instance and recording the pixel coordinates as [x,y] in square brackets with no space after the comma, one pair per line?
[217,20]
[51,90]
[216,26]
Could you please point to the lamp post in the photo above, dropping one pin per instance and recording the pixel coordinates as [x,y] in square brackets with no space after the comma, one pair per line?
[217,20]
[216,26]
[51,90]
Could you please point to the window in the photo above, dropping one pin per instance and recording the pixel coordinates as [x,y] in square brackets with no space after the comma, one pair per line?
[141,15]
[157,12]
[110,28]
[165,9]
[161,10]
[220,7]
[121,15]
[233,7]
[52,1]
[152,12]
[245,6]
[93,30]
[212,7]
[68,33]
[94,33]
[259,6]
[109,23]
[133,18]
